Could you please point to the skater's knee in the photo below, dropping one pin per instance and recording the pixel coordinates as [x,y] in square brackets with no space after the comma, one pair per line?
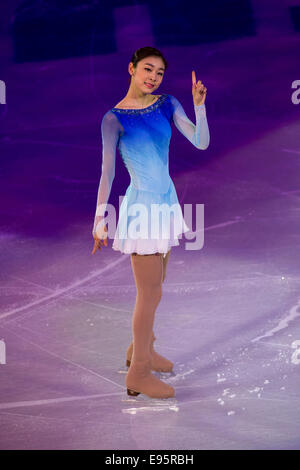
[152,292]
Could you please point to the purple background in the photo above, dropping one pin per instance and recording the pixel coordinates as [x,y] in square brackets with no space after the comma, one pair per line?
[229,316]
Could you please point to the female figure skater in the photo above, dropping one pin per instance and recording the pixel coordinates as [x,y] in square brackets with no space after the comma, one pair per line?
[140,126]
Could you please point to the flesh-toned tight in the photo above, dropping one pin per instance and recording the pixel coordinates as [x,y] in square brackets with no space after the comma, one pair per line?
[149,273]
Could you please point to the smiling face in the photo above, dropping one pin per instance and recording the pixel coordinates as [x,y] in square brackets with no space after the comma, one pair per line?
[149,71]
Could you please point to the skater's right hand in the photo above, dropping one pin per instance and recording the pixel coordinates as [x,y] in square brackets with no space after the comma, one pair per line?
[100,238]
[198,90]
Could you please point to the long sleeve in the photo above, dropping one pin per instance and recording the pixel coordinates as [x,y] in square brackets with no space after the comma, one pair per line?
[197,134]
[110,130]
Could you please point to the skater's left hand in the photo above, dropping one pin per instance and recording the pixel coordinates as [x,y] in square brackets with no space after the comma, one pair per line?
[198,90]
[100,239]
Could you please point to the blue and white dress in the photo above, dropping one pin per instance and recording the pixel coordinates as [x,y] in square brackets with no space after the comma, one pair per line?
[142,137]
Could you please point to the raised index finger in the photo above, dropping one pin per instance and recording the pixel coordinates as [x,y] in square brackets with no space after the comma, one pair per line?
[193,77]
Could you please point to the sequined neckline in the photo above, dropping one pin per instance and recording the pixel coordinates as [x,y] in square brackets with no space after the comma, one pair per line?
[142,110]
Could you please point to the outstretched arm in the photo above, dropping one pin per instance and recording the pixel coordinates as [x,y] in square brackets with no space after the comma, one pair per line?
[197,134]
[110,130]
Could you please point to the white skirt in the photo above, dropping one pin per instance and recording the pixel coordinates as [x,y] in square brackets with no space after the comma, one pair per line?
[169,228]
